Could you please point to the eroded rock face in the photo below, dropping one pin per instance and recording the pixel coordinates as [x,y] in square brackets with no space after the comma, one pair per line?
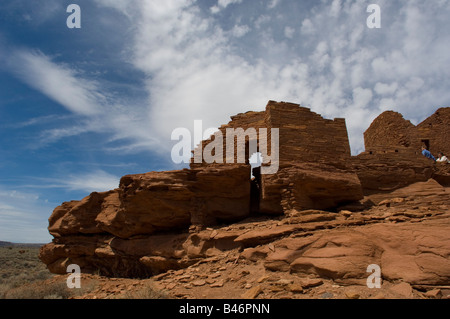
[441,173]
[79,217]
[132,231]
[405,233]
[159,201]
[390,171]
[414,253]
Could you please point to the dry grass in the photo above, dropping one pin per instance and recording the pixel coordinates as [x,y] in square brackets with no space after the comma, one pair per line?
[21,271]
[20,266]
[57,290]
[24,276]
[147,292]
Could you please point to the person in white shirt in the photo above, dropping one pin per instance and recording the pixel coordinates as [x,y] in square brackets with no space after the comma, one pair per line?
[442,158]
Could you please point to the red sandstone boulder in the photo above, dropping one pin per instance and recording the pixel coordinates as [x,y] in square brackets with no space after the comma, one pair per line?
[405,233]
[441,173]
[415,253]
[79,217]
[390,171]
[159,201]
[222,193]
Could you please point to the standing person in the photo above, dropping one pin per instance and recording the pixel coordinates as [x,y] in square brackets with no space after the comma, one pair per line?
[442,158]
[427,153]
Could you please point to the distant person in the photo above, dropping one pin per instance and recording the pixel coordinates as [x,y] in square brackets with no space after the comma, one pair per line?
[427,153]
[442,158]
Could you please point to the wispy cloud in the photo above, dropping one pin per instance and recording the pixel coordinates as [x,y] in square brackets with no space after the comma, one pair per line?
[273,3]
[93,107]
[59,82]
[40,120]
[93,181]
[87,182]
[223,4]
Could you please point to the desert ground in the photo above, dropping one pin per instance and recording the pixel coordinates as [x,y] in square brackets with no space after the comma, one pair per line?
[230,274]
[24,276]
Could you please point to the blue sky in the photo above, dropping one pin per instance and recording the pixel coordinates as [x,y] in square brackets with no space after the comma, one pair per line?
[79,108]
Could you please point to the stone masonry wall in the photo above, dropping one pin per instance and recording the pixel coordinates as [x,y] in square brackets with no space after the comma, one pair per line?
[307,137]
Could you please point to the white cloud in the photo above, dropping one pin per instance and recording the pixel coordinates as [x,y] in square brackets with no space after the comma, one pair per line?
[94,108]
[415,84]
[58,82]
[273,4]
[226,3]
[223,4]
[97,181]
[386,89]
[23,217]
[361,97]
[335,8]
[240,30]
[45,119]
[196,70]
[289,32]
[307,27]
[321,57]
[50,136]
[123,6]
[94,181]
[387,104]
[215,9]
[345,69]
[24,214]
[261,21]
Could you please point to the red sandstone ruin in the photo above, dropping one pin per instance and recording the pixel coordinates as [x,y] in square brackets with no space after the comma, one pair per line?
[390,132]
[394,144]
[153,222]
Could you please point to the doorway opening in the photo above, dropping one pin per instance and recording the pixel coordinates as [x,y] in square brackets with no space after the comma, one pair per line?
[255,161]
[426,143]
[255,190]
